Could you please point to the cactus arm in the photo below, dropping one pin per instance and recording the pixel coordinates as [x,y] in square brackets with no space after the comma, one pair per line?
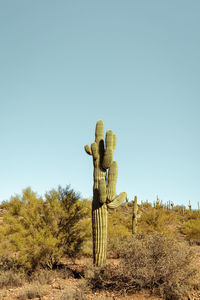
[102,191]
[117,201]
[114,141]
[112,180]
[108,155]
[94,149]
[99,132]
[88,150]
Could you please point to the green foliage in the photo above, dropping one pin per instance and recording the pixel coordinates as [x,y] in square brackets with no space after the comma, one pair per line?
[158,220]
[145,204]
[191,229]
[37,232]
[191,215]
[118,231]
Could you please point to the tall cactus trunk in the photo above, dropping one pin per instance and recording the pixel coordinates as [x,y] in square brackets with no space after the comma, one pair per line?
[104,189]
[99,229]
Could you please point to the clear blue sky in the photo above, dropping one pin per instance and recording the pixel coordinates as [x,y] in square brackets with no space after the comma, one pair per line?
[134,64]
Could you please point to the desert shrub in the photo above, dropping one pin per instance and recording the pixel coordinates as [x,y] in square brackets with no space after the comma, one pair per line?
[101,278]
[146,205]
[157,262]
[86,228]
[78,293]
[30,292]
[108,278]
[11,279]
[96,276]
[119,228]
[158,220]
[191,215]
[37,232]
[149,261]
[42,277]
[180,210]
[191,229]
[3,293]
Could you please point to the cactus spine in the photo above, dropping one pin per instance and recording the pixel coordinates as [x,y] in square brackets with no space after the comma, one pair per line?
[104,189]
[134,219]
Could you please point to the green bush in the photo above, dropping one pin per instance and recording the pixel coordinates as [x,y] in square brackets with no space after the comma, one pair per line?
[37,232]
[118,230]
[156,220]
[191,229]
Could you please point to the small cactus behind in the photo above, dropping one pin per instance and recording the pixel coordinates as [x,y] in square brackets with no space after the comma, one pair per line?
[157,202]
[190,206]
[134,218]
[172,205]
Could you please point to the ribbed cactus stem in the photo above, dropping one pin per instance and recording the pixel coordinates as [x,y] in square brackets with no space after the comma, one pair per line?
[134,218]
[104,189]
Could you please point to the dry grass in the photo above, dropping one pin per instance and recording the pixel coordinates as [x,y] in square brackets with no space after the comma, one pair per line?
[73,294]
[30,292]
[161,264]
[9,279]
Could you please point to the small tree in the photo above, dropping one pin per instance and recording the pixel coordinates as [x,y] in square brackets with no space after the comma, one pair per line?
[37,232]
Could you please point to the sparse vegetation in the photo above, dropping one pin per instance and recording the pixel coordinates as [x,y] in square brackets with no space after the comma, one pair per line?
[10,279]
[38,233]
[154,261]
[161,263]
[78,293]
[30,292]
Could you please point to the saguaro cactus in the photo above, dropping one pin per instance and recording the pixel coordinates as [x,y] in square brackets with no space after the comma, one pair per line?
[134,218]
[104,189]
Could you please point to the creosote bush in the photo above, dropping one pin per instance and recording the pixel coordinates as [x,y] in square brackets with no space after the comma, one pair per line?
[157,262]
